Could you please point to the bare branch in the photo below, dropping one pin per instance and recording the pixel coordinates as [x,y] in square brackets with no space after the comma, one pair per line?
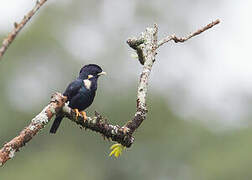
[183,39]
[18,27]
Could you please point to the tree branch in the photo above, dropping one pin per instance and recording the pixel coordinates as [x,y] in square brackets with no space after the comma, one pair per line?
[37,123]
[18,27]
[56,105]
[146,46]
[183,39]
[148,50]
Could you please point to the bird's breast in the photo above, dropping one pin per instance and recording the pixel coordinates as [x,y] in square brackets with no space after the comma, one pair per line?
[82,100]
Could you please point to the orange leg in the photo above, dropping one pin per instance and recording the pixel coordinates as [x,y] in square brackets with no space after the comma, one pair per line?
[77,113]
[84,114]
[125,130]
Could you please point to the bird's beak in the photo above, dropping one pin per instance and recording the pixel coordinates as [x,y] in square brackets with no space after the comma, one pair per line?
[102,73]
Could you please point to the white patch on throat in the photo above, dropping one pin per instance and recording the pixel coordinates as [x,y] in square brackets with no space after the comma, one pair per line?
[87,83]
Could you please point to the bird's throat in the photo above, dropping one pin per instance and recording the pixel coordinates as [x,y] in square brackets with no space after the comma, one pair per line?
[87,83]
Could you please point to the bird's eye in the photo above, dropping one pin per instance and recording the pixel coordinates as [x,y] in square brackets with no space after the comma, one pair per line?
[90,76]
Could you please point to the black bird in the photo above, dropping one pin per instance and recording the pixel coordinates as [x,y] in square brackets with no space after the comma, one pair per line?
[81,92]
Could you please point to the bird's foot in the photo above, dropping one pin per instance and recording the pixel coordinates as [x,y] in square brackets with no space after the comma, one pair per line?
[117,150]
[77,113]
[125,130]
[84,114]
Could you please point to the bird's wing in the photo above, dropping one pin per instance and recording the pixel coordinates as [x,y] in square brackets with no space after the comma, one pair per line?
[72,89]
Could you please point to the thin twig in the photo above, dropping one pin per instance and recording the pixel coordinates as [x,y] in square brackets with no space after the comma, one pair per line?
[183,39]
[18,27]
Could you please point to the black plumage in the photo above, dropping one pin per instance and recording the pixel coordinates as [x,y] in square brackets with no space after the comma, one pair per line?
[81,92]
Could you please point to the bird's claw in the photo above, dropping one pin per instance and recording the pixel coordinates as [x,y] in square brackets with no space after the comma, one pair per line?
[125,130]
[77,113]
[117,150]
[84,114]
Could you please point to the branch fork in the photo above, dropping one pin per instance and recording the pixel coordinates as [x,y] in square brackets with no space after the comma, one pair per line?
[145,46]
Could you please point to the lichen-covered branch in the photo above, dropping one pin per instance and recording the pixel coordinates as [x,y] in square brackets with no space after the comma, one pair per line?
[37,123]
[99,124]
[57,104]
[18,27]
[149,52]
[145,46]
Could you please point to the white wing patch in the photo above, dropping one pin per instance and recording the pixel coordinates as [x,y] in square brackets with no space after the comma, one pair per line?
[87,83]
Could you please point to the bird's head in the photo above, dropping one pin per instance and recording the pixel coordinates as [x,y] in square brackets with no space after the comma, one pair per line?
[91,71]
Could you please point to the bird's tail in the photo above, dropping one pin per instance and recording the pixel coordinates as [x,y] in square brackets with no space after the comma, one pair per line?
[56,123]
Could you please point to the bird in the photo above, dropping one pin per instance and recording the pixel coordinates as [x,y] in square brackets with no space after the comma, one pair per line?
[80,93]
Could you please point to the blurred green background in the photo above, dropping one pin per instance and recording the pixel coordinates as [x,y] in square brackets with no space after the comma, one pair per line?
[176,141]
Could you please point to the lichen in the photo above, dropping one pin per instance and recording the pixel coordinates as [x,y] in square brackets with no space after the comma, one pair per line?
[116,130]
[32,127]
[138,113]
[92,120]
[66,108]
[52,109]
[41,118]
[89,119]
[12,152]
